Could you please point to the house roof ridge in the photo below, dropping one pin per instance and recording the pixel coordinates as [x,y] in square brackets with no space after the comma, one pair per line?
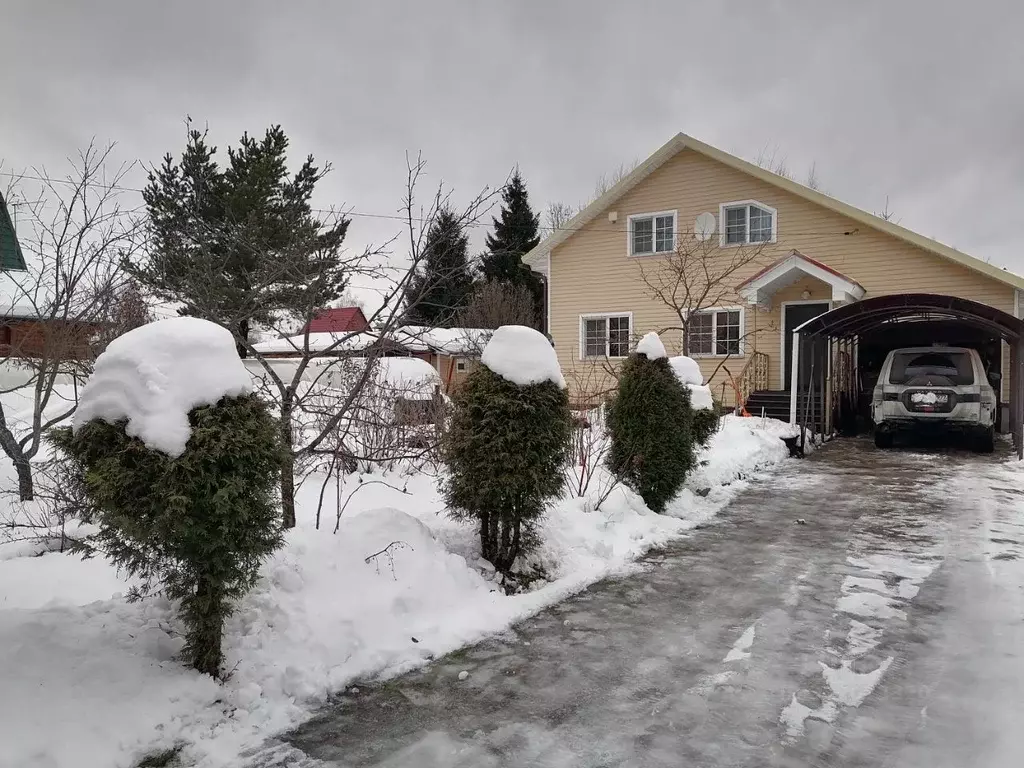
[682,141]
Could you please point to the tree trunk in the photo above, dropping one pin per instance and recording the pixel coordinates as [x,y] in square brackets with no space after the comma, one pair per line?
[204,639]
[243,333]
[485,541]
[287,466]
[22,465]
[26,490]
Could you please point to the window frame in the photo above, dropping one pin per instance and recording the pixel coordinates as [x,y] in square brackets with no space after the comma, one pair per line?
[582,350]
[654,233]
[723,230]
[461,364]
[713,311]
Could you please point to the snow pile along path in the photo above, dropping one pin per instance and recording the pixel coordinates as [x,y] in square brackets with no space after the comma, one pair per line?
[523,356]
[155,374]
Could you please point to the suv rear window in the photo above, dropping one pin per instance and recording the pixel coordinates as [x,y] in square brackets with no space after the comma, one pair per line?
[923,368]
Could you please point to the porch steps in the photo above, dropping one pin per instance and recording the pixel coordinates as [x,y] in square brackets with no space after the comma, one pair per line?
[775,404]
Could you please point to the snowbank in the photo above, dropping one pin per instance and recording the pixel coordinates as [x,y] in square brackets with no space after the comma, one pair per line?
[154,375]
[686,369]
[650,346]
[523,356]
[328,610]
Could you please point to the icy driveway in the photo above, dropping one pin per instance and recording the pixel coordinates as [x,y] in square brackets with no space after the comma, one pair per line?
[886,631]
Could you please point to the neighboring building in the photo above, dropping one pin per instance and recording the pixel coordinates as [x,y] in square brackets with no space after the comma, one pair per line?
[344,333]
[11,256]
[453,352]
[338,320]
[814,253]
[22,332]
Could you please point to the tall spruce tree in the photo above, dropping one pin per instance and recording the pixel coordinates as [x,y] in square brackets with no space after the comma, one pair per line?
[236,244]
[443,283]
[515,233]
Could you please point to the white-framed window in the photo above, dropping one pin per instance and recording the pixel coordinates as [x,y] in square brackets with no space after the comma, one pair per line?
[461,364]
[747,222]
[715,332]
[605,335]
[651,233]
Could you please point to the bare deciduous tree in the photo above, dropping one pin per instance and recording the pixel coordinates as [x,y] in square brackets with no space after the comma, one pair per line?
[495,304]
[558,215]
[887,213]
[696,276]
[73,231]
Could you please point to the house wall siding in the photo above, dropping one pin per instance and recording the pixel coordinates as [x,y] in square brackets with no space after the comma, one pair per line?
[592,273]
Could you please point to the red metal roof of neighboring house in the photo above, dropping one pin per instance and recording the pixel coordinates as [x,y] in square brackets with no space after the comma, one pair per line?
[339,320]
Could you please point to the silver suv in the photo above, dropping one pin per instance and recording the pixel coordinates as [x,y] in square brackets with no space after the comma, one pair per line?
[934,389]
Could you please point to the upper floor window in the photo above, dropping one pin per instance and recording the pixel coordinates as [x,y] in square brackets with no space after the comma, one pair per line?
[651,233]
[748,222]
[604,335]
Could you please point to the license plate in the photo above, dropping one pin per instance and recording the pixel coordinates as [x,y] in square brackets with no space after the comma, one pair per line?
[929,401]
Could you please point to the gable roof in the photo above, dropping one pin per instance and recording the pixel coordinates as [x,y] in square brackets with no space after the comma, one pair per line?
[11,256]
[758,288]
[536,258]
[339,320]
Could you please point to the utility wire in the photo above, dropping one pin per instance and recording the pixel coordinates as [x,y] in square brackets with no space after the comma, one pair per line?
[368,215]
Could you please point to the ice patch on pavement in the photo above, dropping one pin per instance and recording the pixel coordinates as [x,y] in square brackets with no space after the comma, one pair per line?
[870,605]
[861,638]
[851,688]
[741,648]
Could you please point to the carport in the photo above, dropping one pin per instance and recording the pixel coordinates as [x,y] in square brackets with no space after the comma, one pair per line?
[830,353]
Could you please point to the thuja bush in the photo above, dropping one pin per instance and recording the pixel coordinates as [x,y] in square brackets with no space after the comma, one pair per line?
[504,446]
[705,424]
[650,422]
[197,526]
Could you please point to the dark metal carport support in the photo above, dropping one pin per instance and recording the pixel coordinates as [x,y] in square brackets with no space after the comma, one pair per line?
[850,321]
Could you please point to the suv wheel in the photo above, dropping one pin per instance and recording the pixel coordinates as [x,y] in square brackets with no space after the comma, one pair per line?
[883,439]
[985,441]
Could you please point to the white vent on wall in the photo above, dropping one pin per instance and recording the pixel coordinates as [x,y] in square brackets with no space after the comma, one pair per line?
[704,226]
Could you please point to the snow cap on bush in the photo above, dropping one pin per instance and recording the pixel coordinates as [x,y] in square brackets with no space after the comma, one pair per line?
[686,369]
[523,356]
[155,374]
[701,397]
[651,347]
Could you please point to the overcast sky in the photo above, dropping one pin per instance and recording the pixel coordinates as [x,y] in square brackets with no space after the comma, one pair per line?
[921,101]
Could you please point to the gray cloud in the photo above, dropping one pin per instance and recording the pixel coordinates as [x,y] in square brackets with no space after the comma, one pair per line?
[921,101]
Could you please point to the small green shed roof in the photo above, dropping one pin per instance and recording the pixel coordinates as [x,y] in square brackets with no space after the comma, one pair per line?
[10,251]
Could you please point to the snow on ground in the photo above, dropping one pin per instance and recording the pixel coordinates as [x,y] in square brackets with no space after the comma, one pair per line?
[155,374]
[397,585]
[523,356]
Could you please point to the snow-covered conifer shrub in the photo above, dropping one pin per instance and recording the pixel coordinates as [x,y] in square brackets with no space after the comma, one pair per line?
[705,424]
[650,422]
[505,443]
[198,525]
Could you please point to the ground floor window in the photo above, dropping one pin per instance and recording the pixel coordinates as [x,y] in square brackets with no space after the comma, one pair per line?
[715,333]
[605,335]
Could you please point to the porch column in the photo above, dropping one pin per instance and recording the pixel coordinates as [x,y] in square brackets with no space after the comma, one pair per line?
[794,377]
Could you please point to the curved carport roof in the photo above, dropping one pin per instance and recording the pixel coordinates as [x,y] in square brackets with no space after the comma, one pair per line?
[852,320]
[865,315]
